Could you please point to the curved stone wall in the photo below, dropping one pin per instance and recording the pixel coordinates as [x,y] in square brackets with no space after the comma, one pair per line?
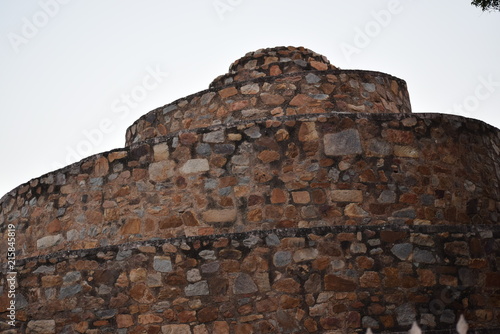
[318,280]
[344,169]
[295,94]
[272,62]
[290,197]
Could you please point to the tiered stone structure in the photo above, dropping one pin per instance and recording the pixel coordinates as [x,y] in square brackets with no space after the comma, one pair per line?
[289,197]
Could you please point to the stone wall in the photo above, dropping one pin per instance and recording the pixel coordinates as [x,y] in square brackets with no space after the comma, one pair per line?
[314,92]
[312,280]
[347,169]
[290,197]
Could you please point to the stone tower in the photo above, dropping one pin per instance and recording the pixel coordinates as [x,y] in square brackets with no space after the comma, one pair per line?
[289,197]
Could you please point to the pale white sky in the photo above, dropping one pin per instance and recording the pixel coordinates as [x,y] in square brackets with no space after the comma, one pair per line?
[75,74]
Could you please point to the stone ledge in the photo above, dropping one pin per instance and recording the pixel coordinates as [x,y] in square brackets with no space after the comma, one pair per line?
[282,232]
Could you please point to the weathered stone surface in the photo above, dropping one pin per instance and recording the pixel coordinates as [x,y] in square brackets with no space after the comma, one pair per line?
[195,166]
[301,197]
[243,284]
[219,216]
[347,196]
[336,283]
[49,241]
[214,137]
[230,216]
[161,171]
[423,256]
[306,254]
[402,251]
[406,151]
[354,210]
[197,289]
[162,264]
[41,326]
[346,142]
[176,329]
[267,156]
[406,314]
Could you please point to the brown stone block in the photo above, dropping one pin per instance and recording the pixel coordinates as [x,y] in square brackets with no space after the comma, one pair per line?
[265,326]
[186,316]
[219,216]
[307,132]
[101,167]
[492,280]
[364,262]
[376,309]
[245,309]
[393,236]
[227,92]
[255,200]
[408,198]
[149,319]
[132,226]
[266,305]
[321,263]
[243,329]
[274,212]
[370,279]
[330,322]
[287,285]
[278,196]
[239,105]
[100,323]
[378,209]
[387,321]
[141,293]
[336,283]
[268,156]
[254,215]
[398,136]
[51,281]
[272,99]
[287,302]
[475,247]
[318,196]
[208,314]
[301,197]
[426,277]
[347,196]
[230,266]
[54,226]
[391,279]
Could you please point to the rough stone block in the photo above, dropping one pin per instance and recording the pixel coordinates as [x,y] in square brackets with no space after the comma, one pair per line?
[347,196]
[195,166]
[49,241]
[176,329]
[197,289]
[346,142]
[219,216]
[41,326]
[162,264]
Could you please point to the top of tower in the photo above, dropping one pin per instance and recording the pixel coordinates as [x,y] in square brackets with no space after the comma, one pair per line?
[275,82]
[271,62]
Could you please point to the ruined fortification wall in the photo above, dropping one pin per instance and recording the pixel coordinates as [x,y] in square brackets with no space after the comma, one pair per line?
[282,281]
[338,170]
[290,197]
[313,92]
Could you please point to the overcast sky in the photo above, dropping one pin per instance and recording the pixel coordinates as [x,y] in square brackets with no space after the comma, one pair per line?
[75,74]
